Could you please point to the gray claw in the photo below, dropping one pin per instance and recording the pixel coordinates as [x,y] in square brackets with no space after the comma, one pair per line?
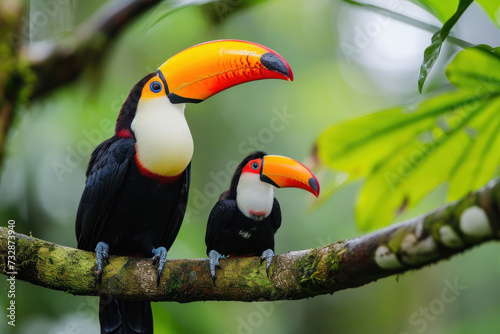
[268,256]
[213,259]
[160,255]
[102,254]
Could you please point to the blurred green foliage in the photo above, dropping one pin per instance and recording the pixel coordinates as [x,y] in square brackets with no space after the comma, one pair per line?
[407,152]
[491,8]
[50,143]
[444,10]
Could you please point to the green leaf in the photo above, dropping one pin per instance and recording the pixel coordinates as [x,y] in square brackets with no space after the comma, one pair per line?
[476,68]
[479,158]
[356,146]
[404,153]
[480,154]
[431,53]
[443,10]
[418,166]
[492,8]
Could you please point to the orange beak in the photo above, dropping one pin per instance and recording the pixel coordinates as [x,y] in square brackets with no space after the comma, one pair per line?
[203,70]
[284,172]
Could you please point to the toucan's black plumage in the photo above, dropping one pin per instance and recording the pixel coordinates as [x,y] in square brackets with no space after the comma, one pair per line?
[228,227]
[129,212]
[245,219]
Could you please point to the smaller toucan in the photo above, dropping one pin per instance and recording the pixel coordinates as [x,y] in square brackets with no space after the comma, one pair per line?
[246,217]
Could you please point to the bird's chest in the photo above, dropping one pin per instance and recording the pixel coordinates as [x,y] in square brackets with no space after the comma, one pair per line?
[143,210]
[164,145]
[248,236]
[254,198]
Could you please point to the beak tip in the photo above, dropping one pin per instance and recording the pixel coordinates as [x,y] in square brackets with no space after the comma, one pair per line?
[313,182]
[276,63]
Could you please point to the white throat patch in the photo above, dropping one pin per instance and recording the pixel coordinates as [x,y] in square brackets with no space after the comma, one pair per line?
[254,197]
[164,144]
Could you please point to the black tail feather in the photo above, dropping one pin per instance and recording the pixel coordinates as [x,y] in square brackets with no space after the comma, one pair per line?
[125,317]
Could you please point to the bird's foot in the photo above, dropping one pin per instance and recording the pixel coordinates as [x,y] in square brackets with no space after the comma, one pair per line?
[102,254]
[160,256]
[213,259]
[268,256]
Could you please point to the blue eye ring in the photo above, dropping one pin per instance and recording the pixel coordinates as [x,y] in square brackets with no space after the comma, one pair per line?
[155,87]
[255,165]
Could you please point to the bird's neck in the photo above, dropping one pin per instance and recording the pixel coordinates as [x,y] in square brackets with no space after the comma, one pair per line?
[164,145]
[254,197]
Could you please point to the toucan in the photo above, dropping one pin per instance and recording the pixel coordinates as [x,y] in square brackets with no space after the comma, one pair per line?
[246,217]
[137,184]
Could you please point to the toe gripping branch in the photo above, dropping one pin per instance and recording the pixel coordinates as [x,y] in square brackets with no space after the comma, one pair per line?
[102,254]
[268,256]
[213,259]
[160,256]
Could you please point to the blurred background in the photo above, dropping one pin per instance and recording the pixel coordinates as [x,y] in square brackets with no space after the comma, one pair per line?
[346,61]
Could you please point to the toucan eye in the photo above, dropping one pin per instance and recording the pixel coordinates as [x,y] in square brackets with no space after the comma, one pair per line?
[155,87]
[255,165]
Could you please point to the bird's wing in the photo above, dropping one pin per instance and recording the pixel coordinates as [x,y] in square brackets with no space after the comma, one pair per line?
[221,215]
[105,174]
[179,209]
[276,212]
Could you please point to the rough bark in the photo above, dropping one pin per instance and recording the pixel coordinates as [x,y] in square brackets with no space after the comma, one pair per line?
[409,245]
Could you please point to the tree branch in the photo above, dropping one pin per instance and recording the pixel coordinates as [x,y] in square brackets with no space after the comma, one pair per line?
[409,245]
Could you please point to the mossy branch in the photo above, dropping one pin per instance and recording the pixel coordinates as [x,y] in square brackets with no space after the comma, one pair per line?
[409,245]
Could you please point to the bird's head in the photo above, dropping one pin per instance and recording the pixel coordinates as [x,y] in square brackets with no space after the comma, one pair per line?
[201,71]
[280,172]
[153,113]
[258,174]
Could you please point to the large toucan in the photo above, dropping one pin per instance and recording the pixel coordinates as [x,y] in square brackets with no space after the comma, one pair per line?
[246,217]
[138,180]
